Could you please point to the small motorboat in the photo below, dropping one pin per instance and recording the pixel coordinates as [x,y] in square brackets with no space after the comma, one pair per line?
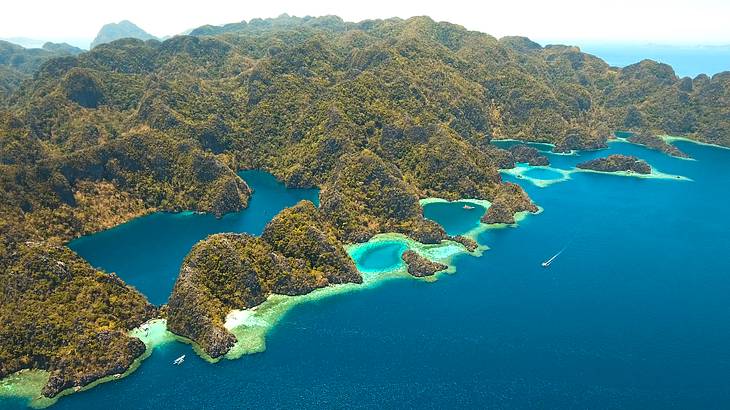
[179,360]
[549,261]
[468,207]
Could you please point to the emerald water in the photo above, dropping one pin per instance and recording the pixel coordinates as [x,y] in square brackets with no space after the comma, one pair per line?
[633,314]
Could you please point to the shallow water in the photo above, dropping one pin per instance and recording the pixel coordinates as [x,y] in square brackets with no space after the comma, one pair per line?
[382,257]
[543,173]
[633,314]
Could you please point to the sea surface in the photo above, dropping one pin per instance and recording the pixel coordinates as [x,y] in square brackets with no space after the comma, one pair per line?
[147,252]
[686,60]
[634,313]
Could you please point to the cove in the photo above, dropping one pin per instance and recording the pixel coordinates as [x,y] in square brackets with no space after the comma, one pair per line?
[147,252]
[632,315]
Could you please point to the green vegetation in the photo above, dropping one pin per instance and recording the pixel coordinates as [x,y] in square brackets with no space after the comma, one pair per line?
[657,143]
[419,266]
[297,253]
[616,163]
[59,314]
[378,114]
[18,63]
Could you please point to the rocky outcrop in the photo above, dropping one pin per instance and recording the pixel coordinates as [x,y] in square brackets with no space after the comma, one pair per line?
[530,155]
[419,266]
[508,200]
[297,253]
[302,232]
[366,196]
[67,375]
[580,142]
[616,163]
[470,244]
[60,315]
[656,143]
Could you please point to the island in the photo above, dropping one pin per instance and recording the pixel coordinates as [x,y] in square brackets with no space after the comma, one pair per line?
[617,163]
[419,266]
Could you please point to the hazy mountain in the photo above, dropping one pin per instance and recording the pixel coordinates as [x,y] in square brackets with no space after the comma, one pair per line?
[116,31]
[24,41]
[18,63]
[62,48]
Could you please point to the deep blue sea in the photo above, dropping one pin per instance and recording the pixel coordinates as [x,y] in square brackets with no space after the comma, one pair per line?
[634,314]
[686,60]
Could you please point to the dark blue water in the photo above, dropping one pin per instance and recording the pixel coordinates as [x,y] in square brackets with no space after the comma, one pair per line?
[147,252]
[686,60]
[634,314]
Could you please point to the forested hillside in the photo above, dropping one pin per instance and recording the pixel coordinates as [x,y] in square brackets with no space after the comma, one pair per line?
[378,114]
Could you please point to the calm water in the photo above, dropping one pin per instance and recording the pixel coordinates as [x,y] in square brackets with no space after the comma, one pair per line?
[686,60]
[147,252]
[634,314]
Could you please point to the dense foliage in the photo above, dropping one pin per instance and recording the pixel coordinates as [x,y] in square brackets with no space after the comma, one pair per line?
[59,314]
[297,253]
[18,63]
[379,114]
[615,163]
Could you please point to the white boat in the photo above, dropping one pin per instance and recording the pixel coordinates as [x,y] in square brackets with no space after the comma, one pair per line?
[468,207]
[179,360]
[549,261]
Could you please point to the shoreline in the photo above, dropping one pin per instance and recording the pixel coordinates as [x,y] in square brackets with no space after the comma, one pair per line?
[28,383]
[671,138]
[252,326]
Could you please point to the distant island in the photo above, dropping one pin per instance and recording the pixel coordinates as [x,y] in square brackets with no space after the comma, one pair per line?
[616,163]
[378,114]
[116,31]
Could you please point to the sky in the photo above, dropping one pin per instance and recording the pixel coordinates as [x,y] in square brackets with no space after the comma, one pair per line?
[577,21]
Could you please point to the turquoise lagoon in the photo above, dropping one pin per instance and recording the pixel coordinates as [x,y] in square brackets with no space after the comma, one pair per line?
[633,314]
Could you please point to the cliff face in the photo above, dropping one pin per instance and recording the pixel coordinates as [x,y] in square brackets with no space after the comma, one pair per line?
[365,196]
[59,314]
[614,163]
[378,114]
[508,200]
[419,266]
[302,232]
[297,253]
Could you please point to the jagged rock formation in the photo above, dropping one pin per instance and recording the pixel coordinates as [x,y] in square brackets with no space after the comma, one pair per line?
[59,314]
[366,196]
[470,244]
[615,163]
[510,199]
[419,266]
[296,254]
[18,63]
[530,155]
